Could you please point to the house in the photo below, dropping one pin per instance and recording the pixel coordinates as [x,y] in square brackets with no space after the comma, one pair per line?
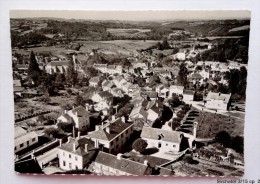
[151,95]
[126,86]
[196,77]
[179,56]
[164,140]
[176,89]
[137,113]
[57,67]
[218,101]
[116,165]
[77,153]
[94,81]
[107,85]
[101,67]
[117,92]
[102,96]
[78,115]
[153,110]
[204,74]
[162,91]
[188,95]
[24,139]
[114,69]
[18,89]
[113,134]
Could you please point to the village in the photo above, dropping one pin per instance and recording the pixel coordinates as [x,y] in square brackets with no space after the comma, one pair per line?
[157,108]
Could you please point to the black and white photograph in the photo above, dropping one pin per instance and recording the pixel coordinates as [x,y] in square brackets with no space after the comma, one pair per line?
[129,93]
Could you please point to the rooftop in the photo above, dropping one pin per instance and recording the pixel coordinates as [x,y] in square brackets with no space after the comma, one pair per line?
[164,135]
[122,164]
[218,96]
[80,146]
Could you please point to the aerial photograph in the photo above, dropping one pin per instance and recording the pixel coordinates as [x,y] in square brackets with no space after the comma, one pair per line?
[133,93]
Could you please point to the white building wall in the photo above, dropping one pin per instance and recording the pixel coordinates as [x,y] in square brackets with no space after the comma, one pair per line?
[69,161]
[25,144]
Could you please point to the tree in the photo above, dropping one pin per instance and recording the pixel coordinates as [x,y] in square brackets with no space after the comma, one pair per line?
[52,132]
[66,127]
[174,124]
[223,138]
[139,145]
[237,144]
[165,44]
[174,101]
[91,71]
[79,100]
[72,75]
[183,72]
[34,71]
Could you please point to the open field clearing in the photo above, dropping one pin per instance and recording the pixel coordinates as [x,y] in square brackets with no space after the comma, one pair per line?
[124,47]
[128,32]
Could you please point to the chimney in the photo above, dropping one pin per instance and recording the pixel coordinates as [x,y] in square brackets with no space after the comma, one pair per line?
[219,94]
[73,132]
[69,138]
[108,129]
[65,111]
[60,141]
[96,144]
[86,148]
[73,107]
[96,127]
[123,119]
[195,124]
[113,118]
[145,162]
[78,134]
[76,114]
[119,156]
[74,147]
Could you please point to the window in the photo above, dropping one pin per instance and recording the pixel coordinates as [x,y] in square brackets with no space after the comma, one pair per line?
[69,155]
[33,140]
[174,146]
[70,165]
[28,143]
[64,163]
[76,158]
[159,145]
[21,145]
[15,148]
[166,144]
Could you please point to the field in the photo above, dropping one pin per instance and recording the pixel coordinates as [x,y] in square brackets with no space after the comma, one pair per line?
[128,32]
[125,47]
[210,124]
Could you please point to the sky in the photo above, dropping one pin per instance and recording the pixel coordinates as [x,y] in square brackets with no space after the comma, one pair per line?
[132,15]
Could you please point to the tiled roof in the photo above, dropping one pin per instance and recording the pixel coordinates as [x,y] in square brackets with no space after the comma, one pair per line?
[105,94]
[26,137]
[19,131]
[138,110]
[166,135]
[17,83]
[82,113]
[189,92]
[94,79]
[59,63]
[116,127]
[80,145]
[196,76]
[218,96]
[125,165]
[176,87]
